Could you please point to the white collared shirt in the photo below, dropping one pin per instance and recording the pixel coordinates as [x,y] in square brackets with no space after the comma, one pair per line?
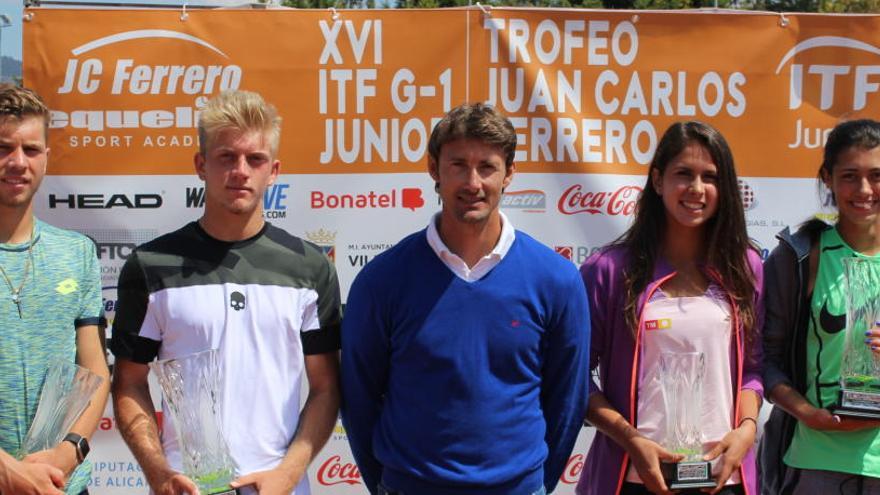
[485,264]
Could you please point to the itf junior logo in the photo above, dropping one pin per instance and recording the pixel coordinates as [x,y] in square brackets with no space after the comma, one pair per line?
[817,78]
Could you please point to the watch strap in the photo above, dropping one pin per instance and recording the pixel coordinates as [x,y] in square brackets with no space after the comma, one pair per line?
[81,445]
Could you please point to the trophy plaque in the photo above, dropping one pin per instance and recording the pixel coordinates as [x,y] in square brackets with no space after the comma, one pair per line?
[681,379]
[66,393]
[859,395]
[191,388]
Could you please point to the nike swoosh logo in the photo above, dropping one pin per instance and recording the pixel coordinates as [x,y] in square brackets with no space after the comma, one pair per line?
[831,323]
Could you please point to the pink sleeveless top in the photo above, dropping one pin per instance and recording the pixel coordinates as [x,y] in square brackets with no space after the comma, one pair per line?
[688,324]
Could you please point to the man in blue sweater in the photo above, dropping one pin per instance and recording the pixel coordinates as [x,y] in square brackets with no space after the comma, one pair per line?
[465,356]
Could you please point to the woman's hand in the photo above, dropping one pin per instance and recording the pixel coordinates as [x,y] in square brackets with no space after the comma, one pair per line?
[732,448]
[823,420]
[646,456]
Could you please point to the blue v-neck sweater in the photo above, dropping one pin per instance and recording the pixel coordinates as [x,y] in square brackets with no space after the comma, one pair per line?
[451,387]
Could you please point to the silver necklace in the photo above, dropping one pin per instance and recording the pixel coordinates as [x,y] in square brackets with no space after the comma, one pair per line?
[16,291]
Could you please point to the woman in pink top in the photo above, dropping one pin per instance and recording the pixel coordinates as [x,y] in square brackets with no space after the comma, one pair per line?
[683,278]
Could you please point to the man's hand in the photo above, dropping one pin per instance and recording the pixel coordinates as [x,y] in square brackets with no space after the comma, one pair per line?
[270,482]
[646,456]
[62,456]
[734,447]
[29,478]
[174,483]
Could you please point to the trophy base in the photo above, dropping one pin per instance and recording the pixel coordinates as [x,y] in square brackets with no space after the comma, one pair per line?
[688,475]
[857,404]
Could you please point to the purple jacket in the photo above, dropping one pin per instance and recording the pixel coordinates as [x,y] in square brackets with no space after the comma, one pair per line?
[613,352]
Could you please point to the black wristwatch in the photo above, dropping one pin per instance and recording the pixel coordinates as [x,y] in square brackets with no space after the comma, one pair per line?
[81,444]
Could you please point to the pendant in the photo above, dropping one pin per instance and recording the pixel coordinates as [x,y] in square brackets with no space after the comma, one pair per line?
[16,298]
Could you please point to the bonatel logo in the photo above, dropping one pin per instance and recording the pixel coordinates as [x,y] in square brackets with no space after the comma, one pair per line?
[622,201]
[407,197]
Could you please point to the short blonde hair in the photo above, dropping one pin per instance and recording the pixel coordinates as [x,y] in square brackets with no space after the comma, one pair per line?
[240,110]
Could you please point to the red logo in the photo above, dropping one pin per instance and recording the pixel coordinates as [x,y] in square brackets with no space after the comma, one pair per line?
[334,472]
[619,202]
[407,197]
[514,323]
[573,469]
[566,252]
[411,197]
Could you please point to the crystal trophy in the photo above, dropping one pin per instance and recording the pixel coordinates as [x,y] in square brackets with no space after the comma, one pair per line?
[681,379]
[859,370]
[191,388]
[66,393]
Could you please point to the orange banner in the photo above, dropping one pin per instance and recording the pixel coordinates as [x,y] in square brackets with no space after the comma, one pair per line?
[589,91]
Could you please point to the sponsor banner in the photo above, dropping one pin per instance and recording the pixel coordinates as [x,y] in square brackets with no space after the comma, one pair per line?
[589,91]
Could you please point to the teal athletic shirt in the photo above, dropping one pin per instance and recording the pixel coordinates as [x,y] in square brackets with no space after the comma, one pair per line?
[854,452]
[62,293]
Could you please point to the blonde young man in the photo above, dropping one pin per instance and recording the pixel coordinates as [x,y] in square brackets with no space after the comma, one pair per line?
[266,300]
[50,308]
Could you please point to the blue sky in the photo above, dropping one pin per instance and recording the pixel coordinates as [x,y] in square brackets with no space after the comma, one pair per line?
[10,37]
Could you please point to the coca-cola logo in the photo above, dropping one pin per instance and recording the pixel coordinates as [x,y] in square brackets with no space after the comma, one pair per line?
[333,472]
[619,202]
[573,469]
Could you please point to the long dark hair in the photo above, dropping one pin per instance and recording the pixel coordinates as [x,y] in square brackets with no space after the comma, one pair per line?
[727,242]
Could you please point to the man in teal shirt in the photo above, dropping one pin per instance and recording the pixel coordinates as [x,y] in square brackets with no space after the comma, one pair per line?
[50,308]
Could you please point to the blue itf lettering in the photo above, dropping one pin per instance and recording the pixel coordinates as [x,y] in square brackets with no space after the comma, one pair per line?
[275,197]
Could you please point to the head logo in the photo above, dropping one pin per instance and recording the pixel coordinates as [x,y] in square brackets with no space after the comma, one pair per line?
[333,472]
[530,200]
[860,78]
[613,203]
[326,240]
[237,301]
[748,195]
[104,201]
[407,197]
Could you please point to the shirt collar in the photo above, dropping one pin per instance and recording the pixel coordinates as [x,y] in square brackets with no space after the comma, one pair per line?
[508,235]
